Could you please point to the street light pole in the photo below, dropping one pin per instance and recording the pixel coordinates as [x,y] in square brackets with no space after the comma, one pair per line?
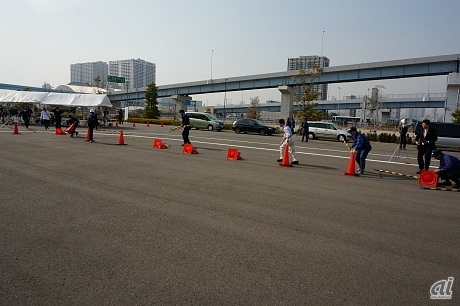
[338,105]
[212,53]
[127,99]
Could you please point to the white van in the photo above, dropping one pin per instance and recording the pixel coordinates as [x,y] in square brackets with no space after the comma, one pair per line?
[319,129]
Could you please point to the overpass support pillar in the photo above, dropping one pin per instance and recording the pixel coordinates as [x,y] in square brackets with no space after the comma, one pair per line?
[180,101]
[452,95]
[287,101]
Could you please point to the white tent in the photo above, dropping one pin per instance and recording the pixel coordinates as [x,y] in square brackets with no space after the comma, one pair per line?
[54,98]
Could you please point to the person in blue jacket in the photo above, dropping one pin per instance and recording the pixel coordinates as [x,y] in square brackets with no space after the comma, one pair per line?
[305,129]
[361,147]
[449,168]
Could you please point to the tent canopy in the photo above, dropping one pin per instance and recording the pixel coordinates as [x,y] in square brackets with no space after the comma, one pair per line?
[54,98]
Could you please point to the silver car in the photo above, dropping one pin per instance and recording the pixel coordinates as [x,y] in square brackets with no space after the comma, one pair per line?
[319,129]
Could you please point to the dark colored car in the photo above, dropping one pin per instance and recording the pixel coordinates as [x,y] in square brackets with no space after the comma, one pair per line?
[252,126]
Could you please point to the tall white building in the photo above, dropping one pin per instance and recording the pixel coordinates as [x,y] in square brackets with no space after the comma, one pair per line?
[306,62]
[137,73]
[85,73]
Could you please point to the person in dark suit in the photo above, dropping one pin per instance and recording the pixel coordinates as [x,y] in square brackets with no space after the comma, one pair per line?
[403,136]
[425,140]
[57,116]
[186,125]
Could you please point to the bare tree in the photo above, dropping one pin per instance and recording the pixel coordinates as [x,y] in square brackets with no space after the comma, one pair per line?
[254,111]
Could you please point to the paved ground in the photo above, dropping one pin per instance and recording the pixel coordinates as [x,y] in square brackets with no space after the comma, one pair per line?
[99,223]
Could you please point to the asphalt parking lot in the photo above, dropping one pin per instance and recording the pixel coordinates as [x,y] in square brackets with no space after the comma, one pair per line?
[99,223]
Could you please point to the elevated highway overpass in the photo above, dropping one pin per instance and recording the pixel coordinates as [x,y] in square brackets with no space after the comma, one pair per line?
[397,69]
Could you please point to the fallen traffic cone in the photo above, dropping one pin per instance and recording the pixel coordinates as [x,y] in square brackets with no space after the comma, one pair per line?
[161,123]
[134,123]
[428,178]
[88,139]
[16,129]
[116,122]
[59,131]
[148,123]
[71,128]
[158,144]
[233,154]
[121,139]
[285,161]
[351,166]
[189,149]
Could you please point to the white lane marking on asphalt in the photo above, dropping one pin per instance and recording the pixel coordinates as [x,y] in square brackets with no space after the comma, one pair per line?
[274,144]
[268,149]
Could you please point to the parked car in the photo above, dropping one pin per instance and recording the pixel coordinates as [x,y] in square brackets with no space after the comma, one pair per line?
[327,130]
[252,126]
[205,121]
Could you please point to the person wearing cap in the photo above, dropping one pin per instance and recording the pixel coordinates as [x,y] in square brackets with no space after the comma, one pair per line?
[425,139]
[92,122]
[361,146]
[186,125]
[449,168]
[288,139]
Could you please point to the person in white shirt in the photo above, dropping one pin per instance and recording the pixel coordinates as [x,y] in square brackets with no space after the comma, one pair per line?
[45,117]
[288,139]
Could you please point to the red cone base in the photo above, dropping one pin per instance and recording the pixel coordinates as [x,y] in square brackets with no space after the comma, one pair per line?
[189,149]
[428,178]
[233,154]
[158,144]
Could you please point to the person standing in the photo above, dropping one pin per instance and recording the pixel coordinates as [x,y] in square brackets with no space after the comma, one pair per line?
[293,125]
[92,122]
[288,139]
[186,125]
[26,113]
[120,116]
[403,136]
[45,117]
[2,113]
[361,146]
[449,168]
[57,116]
[425,139]
[305,129]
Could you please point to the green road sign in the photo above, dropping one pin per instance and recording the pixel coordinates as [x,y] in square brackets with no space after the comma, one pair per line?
[115,79]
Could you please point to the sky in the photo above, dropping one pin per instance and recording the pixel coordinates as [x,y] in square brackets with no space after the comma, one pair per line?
[40,39]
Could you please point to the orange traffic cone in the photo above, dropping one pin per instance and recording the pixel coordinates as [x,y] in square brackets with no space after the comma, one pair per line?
[16,129]
[189,149]
[233,154]
[88,139]
[161,123]
[116,122]
[121,139]
[148,123]
[285,162]
[59,131]
[428,178]
[351,166]
[71,128]
[158,144]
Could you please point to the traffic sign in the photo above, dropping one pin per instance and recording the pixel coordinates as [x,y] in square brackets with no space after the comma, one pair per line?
[115,79]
